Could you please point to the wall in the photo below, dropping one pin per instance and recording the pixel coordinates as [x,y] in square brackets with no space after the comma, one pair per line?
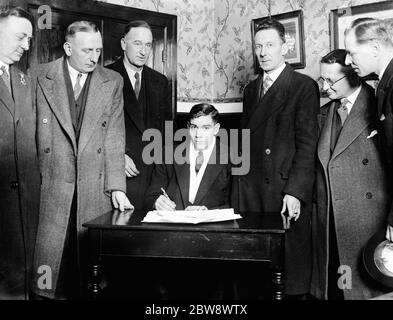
[215,59]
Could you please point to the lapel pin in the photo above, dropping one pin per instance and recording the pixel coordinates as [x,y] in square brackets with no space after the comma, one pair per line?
[372,134]
[382,117]
[22,79]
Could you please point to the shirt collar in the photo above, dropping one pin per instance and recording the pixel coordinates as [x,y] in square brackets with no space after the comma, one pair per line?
[7,67]
[353,96]
[206,152]
[275,73]
[131,71]
[73,72]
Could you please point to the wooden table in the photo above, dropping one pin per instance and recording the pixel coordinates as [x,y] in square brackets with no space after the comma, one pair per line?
[255,237]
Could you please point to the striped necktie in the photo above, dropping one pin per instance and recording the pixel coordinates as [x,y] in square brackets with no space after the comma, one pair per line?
[137,84]
[343,110]
[6,78]
[77,87]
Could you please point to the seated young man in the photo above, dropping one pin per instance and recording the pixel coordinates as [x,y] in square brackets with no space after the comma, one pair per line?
[199,179]
[202,181]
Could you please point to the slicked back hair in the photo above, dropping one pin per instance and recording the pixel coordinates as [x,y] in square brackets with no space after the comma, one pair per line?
[204,109]
[80,26]
[136,24]
[367,29]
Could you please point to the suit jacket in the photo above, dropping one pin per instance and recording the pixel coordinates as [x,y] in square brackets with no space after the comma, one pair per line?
[385,116]
[213,191]
[283,136]
[19,185]
[158,105]
[352,182]
[91,168]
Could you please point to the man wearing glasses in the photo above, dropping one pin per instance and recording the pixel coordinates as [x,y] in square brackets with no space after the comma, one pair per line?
[351,186]
[146,104]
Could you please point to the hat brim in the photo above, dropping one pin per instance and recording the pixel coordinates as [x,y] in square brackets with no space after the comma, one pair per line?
[370,263]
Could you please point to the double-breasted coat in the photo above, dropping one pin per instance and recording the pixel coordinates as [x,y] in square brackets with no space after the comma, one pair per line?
[157,109]
[19,185]
[352,182]
[92,167]
[283,138]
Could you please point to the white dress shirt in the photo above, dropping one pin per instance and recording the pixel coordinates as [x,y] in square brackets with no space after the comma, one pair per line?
[131,74]
[352,98]
[7,68]
[74,74]
[195,179]
[274,74]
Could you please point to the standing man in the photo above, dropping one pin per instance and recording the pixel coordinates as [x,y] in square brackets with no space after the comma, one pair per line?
[80,128]
[370,49]
[351,183]
[280,110]
[19,171]
[146,103]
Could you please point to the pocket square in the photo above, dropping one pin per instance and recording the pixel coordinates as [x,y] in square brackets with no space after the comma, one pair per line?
[382,117]
[372,134]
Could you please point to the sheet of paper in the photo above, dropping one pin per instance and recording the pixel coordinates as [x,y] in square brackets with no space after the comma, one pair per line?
[194,217]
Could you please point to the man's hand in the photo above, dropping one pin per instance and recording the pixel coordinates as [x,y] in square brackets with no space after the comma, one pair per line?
[292,205]
[131,170]
[164,203]
[120,201]
[389,233]
[196,208]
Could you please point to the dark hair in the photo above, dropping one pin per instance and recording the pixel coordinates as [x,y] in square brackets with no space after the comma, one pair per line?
[80,26]
[338,56]
[15,12]
[367,29]
[272,24]
[203,109]
[136,24]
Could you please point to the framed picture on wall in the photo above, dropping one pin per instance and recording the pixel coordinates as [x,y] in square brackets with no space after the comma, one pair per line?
[294,36]
[341,18]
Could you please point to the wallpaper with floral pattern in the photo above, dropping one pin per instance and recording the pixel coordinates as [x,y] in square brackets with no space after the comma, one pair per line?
[215,58]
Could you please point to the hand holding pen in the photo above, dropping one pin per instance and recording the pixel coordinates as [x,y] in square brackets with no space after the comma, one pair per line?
[163,202]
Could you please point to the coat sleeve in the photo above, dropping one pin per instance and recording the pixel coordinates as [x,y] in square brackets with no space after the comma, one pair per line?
[114,144]
[159,179]
[301,175]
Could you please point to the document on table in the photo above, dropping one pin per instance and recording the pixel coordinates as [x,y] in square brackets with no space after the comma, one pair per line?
[193,217]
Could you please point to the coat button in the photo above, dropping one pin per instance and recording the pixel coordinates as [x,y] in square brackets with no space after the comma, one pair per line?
[267,151]
[369,195]
[365,162]
[104,124]
[45,120]
[47,150]
[14,184]
[267,180]
[99,150]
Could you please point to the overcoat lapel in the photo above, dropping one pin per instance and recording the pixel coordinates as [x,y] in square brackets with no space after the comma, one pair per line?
[100,88]
[54,88]
[130,100]
[272,101]
[6,98]
[20,89]
[325,137]
[356,122]
[382,86]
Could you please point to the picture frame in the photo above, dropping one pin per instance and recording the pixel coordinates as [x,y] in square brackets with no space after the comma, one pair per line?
[294,34]
[340,19]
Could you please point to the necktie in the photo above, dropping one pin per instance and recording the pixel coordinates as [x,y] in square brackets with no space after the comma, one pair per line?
[6,78]
[137,84]
[77,87]
[267,82]
[343,111]
[199,161]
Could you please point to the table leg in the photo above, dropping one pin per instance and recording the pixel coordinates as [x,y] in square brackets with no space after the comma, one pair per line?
[95,282]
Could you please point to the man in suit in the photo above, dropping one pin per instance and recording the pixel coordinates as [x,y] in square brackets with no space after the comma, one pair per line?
[19,171]
[370,50]
[202,182]
[146,104]
[280,110]
[80,128]
[351,183]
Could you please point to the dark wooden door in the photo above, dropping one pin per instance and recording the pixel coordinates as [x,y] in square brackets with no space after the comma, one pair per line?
[111,19]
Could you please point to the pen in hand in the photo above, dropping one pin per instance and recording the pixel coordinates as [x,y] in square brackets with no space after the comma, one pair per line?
[164,193]
[165,203]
